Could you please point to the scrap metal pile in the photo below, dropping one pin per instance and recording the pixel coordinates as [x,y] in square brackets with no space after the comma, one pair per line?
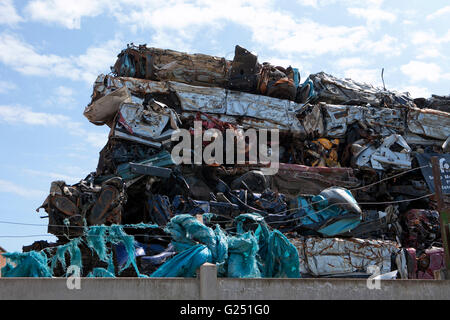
[352,188]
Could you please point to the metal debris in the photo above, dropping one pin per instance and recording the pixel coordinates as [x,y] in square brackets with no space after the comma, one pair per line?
[353,187]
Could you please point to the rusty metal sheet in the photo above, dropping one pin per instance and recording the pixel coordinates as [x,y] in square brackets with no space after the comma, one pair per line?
[294,180]
[106,84]
[197,69]
[429,123]
[334,256]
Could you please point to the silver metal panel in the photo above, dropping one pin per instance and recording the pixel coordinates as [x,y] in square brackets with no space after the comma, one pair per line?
[334,256]
[429,123]
[193,98]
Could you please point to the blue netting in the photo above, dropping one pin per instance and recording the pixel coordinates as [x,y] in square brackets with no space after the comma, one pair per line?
[100,273]
[249,254]
[27,264]
[74,254]
[262,253]
[98,238]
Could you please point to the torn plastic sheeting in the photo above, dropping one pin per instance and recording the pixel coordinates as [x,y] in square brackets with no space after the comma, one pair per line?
[277,256]
[246,255]
[338,257]
[196,244]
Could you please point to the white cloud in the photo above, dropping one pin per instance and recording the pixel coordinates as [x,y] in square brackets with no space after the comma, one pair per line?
[322,3]
[25,59]
[18,115]
[10,187]
[429,52]
[369,76]
[428,44]
[387,45]
[309,3]
[424,71]
[63,97]
[8,14]
[6,86]
[63,12]
[416,92]
[51,175]
[429,37]
[345,63]
[438,13]
[175,23]
[95,139]
[373,16]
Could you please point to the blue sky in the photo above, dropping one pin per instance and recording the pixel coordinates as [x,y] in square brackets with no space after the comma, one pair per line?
[52,50]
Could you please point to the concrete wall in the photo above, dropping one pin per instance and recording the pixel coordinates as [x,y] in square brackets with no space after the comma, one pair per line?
[208,286]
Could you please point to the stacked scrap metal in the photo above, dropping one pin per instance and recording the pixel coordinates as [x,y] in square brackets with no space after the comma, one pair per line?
[353,189]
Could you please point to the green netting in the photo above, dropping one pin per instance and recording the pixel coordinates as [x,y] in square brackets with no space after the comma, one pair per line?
[277,257]
[249,254]
[242,262]
[262,253]
[27,264]
[100,273]
[74,255]
[98,238]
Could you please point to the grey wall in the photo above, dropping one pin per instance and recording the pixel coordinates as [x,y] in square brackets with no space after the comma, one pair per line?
[207,286]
